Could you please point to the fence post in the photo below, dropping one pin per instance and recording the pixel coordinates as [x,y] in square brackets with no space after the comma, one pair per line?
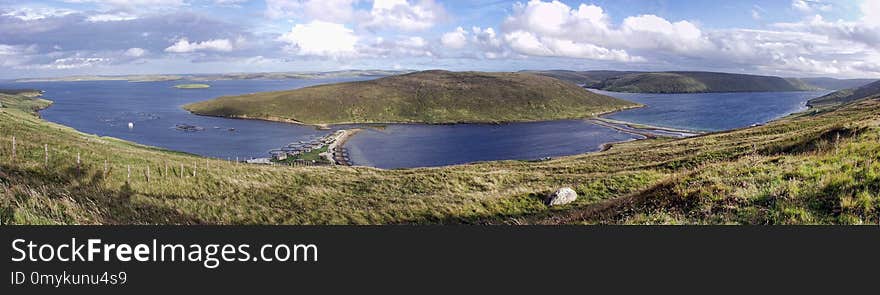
[106,169]
[46,153]
[128,179]
[77,161]
[194,169]
[148,172]
[166,170]
[837,142]
[181,170]
[13,148]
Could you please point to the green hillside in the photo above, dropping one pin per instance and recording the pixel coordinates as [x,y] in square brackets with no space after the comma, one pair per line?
[833,83]
[817,167]
[424,97]
[846,95]
[690,82]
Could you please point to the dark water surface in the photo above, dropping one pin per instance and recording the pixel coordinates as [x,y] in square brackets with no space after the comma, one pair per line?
[432,145]
[711,111]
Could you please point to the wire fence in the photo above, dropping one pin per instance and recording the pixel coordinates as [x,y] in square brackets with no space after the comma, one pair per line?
[25,154]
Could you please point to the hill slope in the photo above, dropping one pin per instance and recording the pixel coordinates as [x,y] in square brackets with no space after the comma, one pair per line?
[810,168]
[846,95]
[424,97]
[690,82]
[833,83]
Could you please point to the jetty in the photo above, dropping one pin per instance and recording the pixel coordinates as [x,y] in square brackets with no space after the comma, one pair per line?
[326,150]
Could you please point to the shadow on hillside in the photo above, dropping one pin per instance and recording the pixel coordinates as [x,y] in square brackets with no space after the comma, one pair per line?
[86,189]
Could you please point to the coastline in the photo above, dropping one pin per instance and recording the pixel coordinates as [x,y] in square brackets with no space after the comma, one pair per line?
[325,126]
[648,131]
[339,143]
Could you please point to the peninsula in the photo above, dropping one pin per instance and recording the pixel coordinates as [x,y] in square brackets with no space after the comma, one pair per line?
[434,97]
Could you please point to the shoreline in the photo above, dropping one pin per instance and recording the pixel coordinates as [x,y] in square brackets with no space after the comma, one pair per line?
[648,131]
[325,126]
[339,143]
[623,126]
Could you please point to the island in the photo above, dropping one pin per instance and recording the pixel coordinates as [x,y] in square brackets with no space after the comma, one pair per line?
[433,97]
[192,86]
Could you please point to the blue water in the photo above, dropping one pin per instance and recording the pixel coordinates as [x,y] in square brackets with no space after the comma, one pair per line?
[431,145]
[711,111]
[106,107]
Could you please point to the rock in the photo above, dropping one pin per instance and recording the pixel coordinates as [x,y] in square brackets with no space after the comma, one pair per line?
[562,196]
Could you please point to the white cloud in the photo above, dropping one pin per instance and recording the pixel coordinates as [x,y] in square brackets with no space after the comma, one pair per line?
[111,17]
[809,6]
[13,55]
[36,13]
[653,32]
[555,29]
[132,5]
[871,13]
[135,52]
[488,42]
[406,46]
[338,11]
[527,43]
[404,15]
[319,38]
[456,39]
[75,62]
[184,46]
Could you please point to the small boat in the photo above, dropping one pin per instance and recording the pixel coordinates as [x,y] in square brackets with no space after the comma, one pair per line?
[130,125]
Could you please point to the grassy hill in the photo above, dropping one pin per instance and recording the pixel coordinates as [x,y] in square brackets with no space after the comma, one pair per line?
[691,82]
[425,97]
[817,167]
[846,95]
[588,78]
[833,83]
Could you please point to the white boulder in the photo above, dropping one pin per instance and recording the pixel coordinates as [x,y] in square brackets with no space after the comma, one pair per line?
[562,196]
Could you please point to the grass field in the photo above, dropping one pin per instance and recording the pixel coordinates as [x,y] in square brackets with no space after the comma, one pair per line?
[818,167]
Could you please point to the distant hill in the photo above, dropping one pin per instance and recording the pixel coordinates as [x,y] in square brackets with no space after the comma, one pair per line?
[587,78]
[692,82]
[423,97]
[25,92]
[847,95]
[215,77]
[834,84]
[676,82]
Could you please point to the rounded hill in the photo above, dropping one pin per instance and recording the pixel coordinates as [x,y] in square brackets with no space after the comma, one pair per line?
[421,97]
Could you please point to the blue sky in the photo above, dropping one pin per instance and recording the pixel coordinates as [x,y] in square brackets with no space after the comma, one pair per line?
[787,38]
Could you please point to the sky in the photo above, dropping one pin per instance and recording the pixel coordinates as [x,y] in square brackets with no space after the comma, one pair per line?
[799,38]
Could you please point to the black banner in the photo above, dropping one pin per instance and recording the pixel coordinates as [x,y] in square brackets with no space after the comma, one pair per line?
[416,259]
